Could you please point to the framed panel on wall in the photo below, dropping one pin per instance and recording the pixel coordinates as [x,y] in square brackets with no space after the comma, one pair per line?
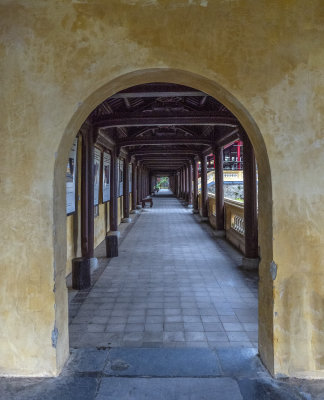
[96,175]
[71,184]
[106,177]
[121,177]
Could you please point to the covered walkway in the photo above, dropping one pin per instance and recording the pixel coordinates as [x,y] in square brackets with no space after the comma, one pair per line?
[173,285]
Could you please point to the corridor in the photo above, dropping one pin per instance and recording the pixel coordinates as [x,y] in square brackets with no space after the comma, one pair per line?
[173,285]
[172,317]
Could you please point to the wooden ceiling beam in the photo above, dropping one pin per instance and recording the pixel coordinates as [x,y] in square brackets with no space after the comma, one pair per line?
[228,138]
[164,142]
[158,90]
[140,152]
[180,93]
[166,119]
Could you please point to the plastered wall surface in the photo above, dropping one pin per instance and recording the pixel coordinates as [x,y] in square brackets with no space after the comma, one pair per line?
[263,60]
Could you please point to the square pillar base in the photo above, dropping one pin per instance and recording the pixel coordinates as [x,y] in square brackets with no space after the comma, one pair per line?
[135,212]
[250,263]
[204,219]
[219,233]
[127,220]
[81,278]
[195,211]
[112,244]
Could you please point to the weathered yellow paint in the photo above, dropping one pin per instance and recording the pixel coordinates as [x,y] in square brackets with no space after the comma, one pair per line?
[120,214]
[70,252]
[263,60]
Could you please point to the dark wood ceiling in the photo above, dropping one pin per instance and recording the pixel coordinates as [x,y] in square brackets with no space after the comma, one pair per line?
[164,126]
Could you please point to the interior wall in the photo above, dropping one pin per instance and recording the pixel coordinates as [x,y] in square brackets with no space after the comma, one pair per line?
[61,59]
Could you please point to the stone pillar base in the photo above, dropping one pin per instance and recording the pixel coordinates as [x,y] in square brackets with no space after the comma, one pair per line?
[126,220]
[204,219]
[220,233]
[250,263]
[190,206]
[112,244]
[138,206]
[195,211]
[81,278]
[134,212]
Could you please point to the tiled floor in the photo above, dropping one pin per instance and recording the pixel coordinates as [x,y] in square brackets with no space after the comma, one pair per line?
[173,285]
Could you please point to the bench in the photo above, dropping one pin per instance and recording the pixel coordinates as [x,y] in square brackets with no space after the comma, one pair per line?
[147,200]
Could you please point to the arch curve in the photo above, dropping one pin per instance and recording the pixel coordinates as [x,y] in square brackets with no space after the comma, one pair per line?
[215,90]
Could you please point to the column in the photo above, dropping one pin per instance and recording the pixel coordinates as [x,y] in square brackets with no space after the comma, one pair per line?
[183,191]
[144,183]
[150,183]
[204,190]
[134,187]
[219,191]
[81,267]
[195,186]
[186,176]
[113,234]
[146,192]
[126,191]
[251,259]
[190,185]
[139,185]
[180,183]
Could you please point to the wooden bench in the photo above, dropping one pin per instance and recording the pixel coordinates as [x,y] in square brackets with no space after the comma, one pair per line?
[147,200]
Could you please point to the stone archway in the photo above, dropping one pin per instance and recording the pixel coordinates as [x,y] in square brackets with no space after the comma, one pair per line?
[265,196]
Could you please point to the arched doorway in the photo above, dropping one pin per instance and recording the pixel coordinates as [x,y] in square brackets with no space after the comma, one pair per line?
[265,198]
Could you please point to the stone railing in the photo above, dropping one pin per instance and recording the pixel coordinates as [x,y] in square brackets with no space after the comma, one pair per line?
[234,223]
[234,219]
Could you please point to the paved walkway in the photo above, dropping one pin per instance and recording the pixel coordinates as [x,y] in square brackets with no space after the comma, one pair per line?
[173,285]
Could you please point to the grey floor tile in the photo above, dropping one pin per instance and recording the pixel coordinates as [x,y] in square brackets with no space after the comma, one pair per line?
[195,336]
[233,326]
[173,337]
[193,326]
[170,275]
[213,327]
[237,336]
[171,389]
[163,362]
[173,326]
[216,336]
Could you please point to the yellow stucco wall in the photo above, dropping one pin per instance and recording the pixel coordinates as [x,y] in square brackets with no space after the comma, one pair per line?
[120,210]
[70,251]
[262,59]
[100,224]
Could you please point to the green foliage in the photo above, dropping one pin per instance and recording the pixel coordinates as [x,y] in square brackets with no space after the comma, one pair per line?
[162,182]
